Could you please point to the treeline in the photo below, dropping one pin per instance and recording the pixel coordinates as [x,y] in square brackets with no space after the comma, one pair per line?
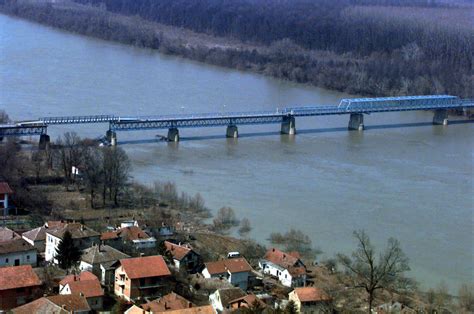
[331,44]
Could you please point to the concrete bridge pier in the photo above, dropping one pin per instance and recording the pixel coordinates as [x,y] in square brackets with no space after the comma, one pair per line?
[356,122]
[173,135]
[440,117]
[111,137]
[232,131]
[288,125]
[44,141]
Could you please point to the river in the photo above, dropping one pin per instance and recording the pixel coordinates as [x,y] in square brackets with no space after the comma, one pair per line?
[402,177]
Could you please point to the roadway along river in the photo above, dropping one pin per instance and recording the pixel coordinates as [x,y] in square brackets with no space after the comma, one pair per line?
[402,177]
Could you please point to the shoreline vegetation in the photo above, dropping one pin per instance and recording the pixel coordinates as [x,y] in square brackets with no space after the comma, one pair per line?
[374,48]
[101,194]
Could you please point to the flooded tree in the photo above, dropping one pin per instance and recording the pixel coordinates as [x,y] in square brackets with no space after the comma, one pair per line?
[373,273]
[245,227]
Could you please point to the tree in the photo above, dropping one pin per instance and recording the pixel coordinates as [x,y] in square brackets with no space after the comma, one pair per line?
[371,273]
[291,307]
[67,254]
[93,171]
[71,153]
[295,240]
[225,219]
[4,117]
[466,298]
[116,172]
[245,226]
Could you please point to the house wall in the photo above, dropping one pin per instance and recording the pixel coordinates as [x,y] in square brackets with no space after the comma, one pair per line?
[292,296]
[3,201]
[96,303]
[15,297]
[215,300]
[40,245]
[24,258]
[52,243]
[145,244]
[240,280]
[122,286]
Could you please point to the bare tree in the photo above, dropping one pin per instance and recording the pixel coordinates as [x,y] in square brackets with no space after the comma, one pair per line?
[116,172]
[466,298]
[245,226]
[371,273]
[4,118]
[71,153]
[225,219]
[93,171]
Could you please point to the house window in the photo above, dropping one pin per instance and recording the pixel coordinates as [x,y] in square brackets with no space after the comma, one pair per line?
[27,257]
[6,260]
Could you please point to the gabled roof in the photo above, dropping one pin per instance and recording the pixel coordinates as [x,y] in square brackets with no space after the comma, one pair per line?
[98,254]
[206,309]
[14,277]
[282,259]
[232,265]
[8,234]
[127,234]
[230,294]
[83,276]
[249,299]
[77,231]
[311,294]
[39,234]
[5,188]
[16,245]
[71,302]
[143,267]
[177,251]
[87,288]
[169,302]
[41,305]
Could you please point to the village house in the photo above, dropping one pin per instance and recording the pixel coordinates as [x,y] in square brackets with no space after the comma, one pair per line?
[169,302]
[235,270]
[7,234]
[221,298]
[5,192]
[18,285]
[311,300]
[83,238]
[140,277]
[247,301]
[101,260]
[85,284]
[57,304]
[17,252]
[184,257]
[132,236]
[205,309]
[37,237]
[287,267]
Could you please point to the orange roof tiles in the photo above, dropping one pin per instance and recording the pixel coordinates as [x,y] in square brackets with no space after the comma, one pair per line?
[88,288]
[127,233]
[281,258]
[233,265]
[169,302]
[311,294]
[18,277]
[177,251]
[5,188]
[71,302]
[85,275]
[143,267]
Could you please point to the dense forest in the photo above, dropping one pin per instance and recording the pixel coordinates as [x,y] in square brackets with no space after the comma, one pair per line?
[371,47]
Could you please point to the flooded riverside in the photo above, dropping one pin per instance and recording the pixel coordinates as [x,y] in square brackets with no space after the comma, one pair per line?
[402,177]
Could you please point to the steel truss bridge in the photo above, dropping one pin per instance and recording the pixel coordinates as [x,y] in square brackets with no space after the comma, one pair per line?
[355,107]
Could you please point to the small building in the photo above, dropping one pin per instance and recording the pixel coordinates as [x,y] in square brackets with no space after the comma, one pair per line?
[37,237]
[235,270]
[184,257]
[100,260]
[311,300]
[205,309]
[169,302]
[57,304]
[140,277]
[17,252]
[18,285]
[85,284]
[287,267]
[221,298]
[247,301]
[82,236]
[132,236]
[5,193]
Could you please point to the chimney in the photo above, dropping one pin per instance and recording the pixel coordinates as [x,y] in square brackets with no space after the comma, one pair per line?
[81,294]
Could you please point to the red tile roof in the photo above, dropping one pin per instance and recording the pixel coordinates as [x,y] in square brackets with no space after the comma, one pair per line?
[143,267]
[205,309]
[177,251]
[169,302]
[8,234]
[233,265]
[77,231]
[5,188]
[18,277]
[85,275]
[88,288]
[249,299]
[282,259]
[127,233]
[71,302]
[41,305]
[311,294]
[16,245]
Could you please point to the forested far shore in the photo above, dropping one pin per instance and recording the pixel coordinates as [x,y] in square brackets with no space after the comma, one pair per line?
[371,47]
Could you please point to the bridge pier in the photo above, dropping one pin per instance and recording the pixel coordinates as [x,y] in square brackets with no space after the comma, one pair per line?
[232,131]
[173,135]
[440,117]
[288,125]
[44,141]
[111,137]
[356,122]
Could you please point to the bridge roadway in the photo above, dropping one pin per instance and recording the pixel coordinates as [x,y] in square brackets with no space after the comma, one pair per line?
[355,107]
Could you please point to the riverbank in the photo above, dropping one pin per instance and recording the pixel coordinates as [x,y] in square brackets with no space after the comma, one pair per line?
[376,75]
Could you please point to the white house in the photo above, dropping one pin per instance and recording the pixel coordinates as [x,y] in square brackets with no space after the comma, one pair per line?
[85,284]
[310,300]
[82,236]
[183,256]
[236,270]
[221,298]
[288,268]
[5,192]
[16,252]
[37,237]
